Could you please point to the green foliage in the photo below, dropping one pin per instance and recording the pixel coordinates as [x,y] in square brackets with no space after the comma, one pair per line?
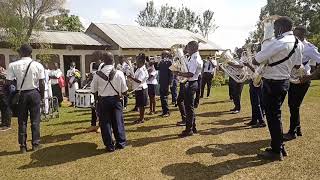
[302,12]
[181,18]
[219,79]
[64,22]
[19,18]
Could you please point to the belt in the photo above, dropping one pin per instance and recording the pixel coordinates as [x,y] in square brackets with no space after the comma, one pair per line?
[25,91]
[275,80]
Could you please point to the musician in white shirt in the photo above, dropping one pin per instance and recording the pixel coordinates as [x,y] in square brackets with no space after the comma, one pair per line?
[110,85]
[281,54]
[30,83]
[209,70]
[195,65]
[152,84]
[297,92]
[140,86]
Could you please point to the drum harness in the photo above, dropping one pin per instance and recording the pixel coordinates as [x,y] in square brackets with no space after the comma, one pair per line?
[109,79]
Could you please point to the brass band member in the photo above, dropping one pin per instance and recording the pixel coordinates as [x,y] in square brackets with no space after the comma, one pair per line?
[282,54]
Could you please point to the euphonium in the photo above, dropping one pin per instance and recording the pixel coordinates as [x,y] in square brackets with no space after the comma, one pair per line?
[179,61]
[240,75]
[268,27]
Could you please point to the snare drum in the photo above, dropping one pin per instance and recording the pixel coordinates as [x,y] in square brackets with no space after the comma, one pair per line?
[84,98]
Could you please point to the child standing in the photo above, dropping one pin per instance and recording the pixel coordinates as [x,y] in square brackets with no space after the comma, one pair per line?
[152,83]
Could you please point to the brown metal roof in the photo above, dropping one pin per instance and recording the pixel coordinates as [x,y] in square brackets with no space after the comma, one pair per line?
[139,37]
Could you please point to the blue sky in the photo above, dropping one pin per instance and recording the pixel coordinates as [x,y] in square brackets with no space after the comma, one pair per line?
[235,18]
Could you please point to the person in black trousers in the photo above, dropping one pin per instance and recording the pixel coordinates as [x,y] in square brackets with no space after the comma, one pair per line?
[165,79]
[297,92]
[30,83]
[4,102]
[282,54]
[109,85]
[208,74]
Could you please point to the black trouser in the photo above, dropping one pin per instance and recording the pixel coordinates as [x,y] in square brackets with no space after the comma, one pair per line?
[111,120]
[5,109]
[206,80]
[274,93]
[296,96]
[164,92]
[180,102]
[256,102]
[56,92]
[189,100]
[198,91]
[236,94]
[93,117]
[230,88]
[174,90]
[29,103]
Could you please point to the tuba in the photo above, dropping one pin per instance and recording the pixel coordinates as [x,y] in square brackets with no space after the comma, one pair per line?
[268,35]
[179,61]
[240,75]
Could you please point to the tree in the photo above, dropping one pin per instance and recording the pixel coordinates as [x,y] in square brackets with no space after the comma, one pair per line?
[19,18]
[64,22]
[182,18]
[206,23]
[148,16]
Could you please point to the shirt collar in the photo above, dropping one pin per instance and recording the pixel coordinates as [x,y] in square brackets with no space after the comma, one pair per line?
[26,58]
[287,33]
[108,67]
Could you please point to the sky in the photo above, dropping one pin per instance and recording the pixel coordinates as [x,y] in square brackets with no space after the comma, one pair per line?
[235,18]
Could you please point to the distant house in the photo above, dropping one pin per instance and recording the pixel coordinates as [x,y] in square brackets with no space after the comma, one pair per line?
[119,39]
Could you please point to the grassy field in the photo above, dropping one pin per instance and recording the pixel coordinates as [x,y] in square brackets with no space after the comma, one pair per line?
[224,148]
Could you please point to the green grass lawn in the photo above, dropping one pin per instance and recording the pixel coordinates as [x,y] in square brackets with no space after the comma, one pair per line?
[224,148]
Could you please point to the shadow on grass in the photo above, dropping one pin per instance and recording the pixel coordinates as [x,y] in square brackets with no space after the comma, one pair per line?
[215,102]
[213,114]
[150,140]
[150,128]
[70,122]
[229,122]
[58,138]
[56,155]
[196,170]
[80,110]
[6,153]
[241,149]
[217,131]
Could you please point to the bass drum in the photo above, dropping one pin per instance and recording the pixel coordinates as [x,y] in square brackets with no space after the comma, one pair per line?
[84,98]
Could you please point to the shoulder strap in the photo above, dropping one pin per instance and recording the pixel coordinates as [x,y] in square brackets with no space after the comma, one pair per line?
[108,79]
[288,57]
[25,75]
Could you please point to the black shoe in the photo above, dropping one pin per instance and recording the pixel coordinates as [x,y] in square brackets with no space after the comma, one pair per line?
[110,150]
[299,133]
[259,125]
[284,152]
[235,112]
[165,115]
[181,123]
[118,147]
[186,133]
[37,147]
[251,123]
[271,155]
[195,131]
[289,136]
[233,109]
[23,150]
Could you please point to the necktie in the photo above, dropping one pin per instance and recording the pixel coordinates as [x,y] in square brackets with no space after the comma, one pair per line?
[209,66]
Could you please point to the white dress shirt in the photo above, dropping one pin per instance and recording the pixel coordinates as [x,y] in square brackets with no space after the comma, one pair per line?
[209,66]
[100,85]
[142,75]
[276,50]
[310,55]
[56,73]
[194,64]
[154,73]
[18,69]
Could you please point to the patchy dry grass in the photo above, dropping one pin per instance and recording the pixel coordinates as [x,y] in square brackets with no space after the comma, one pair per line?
[224,148]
